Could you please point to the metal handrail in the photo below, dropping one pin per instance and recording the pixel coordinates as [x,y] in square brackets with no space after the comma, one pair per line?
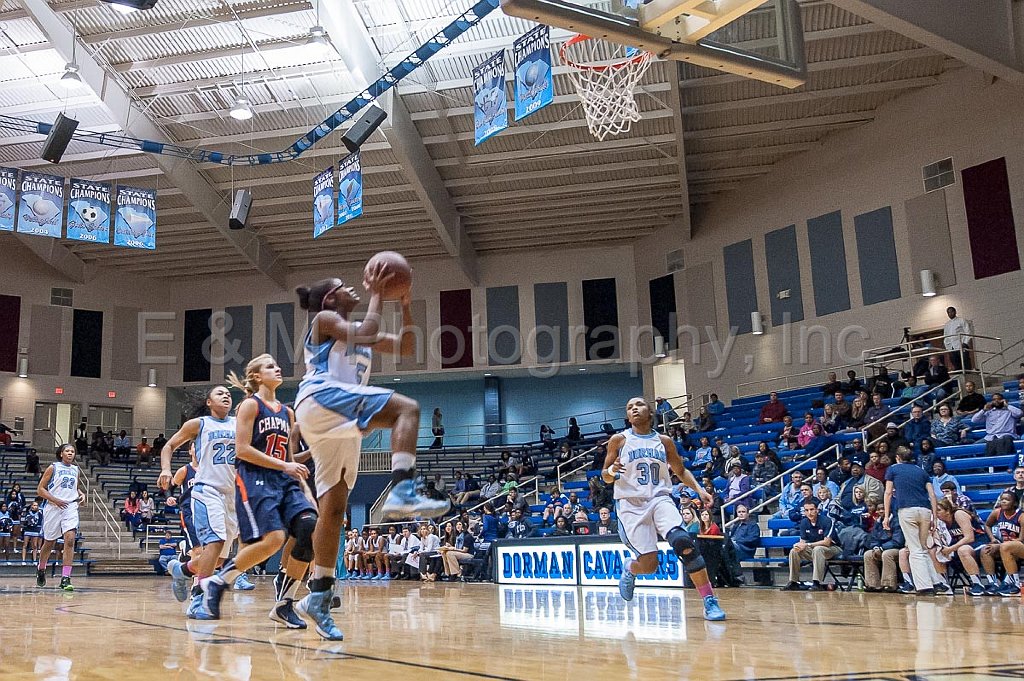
[110,524]
[787,377]
[799,465]
[559,476]
[899,408]
[998,371]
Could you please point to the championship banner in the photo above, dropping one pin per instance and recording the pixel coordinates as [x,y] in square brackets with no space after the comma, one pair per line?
[490,103]
[89,211]
[135,221]
[323,202]
[350,189]
[534,87]
[8,198]
[42,205]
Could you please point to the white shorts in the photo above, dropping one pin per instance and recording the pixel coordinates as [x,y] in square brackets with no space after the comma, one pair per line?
[213,516]
[57,521]
[333,442]
[642,521]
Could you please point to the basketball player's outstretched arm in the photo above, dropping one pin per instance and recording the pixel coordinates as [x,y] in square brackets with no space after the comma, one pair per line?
[188,432]
[245,418]
[612,466]
[675,463]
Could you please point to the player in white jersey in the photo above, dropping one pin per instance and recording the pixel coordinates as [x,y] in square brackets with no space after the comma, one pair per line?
[213,492]
[62,497]
[335,408]
[640,463]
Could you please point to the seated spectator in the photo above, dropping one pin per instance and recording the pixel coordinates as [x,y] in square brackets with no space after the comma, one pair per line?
[32,531]
[564,456]
[916,428]
[857,513]
[131,512]
[458,486]
[840,473]
[715,406]
[605,523]
[665,413]
[827,505]
[702,456]
[122,445]
[830,423]
[690,521]
[970,401]
[965,538]
[858,478]
[547,437]
[426,560]
[733,455]
[874,415]
[764,470]
[1018,482]
[563,528]
[514,502]
[505,463]
[461,551]
[770,454]
[855,450]
[1000,420]
[745,534]
[881,557]
[518,527]
[1003,525]
[572,505]
[707,525]
[817,544]
[511,483]
[168,548]
[936,374]
[686,423]
[852,385]
[600,452]
[821,479]
[773,411]
[876,468]
[601,494]
[791,496]
[912,392]
[939,476]
[471,491]
[439,484]
[158,444]
[819,442]
[739,483]
[893,438]
[716,499]
[788,436]
[527,466]
[858,413]
[399,551]
[705,420]
[147,508]
[491,488]
[806,494]
[947,429]
[806,431]
[716,466]
[881,384]
[143,453]
[832,385]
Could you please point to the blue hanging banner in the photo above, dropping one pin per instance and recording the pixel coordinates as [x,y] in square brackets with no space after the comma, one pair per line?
[41,208]
[89,211]
[534,87]
[323,202]
[490,103]
[135,221]
[8,198]
[350,189]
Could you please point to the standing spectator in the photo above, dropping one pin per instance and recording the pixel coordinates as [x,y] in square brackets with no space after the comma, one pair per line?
[705,420]
[573,435]
[437,429]
[1000,419]
[832,385]
[32,462]
[917,428]
[852,385]
[745,534]
[911,489]
[715,406]
[81,438]
[956,337]
[947,429]
[32,532]
[818,543]
[773,411]
[666,414]
[970,402]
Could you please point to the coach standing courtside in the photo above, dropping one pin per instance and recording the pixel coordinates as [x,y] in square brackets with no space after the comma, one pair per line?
[915,499]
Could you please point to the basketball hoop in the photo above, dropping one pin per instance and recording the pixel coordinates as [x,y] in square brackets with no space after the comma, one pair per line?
[605,75]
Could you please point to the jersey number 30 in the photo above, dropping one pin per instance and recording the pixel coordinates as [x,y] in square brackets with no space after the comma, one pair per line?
[224,453]
[650,474]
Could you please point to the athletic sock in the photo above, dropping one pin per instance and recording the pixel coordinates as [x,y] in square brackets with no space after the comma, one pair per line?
[1013,579]
[324,571]
[188,569]
[627,568]
[291,590]
[992,580]
[285,587]
[705,589]
[403,467]
[907,577]
[318,584]
[975,580]
[65,571]
[229,573]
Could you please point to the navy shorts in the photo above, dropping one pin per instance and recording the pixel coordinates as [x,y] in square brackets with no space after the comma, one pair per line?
[267,500]
[188,527]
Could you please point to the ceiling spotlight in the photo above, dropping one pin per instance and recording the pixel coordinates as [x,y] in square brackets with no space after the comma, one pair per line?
[71,79]
[318,39]
[241,111]
[130,6]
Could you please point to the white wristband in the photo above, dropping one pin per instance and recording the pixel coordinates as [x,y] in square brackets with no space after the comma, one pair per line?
[612,473]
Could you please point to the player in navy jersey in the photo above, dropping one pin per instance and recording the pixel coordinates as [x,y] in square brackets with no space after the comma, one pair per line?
[1004,523]
[185,477]
[640,463]
[271,501]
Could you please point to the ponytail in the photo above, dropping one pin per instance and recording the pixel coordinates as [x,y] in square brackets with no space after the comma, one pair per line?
[312,297]
[248,383]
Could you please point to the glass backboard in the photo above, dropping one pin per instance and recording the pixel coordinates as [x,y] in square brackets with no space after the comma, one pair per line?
[752,38]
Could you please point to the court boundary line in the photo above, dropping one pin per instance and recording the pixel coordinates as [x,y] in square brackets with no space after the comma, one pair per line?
[70,610]
[918,674]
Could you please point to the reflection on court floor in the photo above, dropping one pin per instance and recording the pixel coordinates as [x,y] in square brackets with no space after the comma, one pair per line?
[594,612]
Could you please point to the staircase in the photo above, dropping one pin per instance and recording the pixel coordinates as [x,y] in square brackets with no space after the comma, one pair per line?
[112,548]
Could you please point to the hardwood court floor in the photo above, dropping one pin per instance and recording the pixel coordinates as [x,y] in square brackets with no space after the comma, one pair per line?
[128,629]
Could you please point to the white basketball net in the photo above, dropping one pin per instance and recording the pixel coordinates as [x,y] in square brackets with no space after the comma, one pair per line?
[606,75]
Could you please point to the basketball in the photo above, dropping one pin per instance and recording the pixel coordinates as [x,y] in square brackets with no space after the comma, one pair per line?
[394,264]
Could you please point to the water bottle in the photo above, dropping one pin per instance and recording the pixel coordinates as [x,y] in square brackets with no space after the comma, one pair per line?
[860,583]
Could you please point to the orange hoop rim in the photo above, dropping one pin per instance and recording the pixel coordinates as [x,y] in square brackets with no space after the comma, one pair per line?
[640,56]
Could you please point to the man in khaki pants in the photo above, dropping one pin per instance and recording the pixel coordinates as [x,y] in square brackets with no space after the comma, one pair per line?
[818,544]
[912,489]
[881,561]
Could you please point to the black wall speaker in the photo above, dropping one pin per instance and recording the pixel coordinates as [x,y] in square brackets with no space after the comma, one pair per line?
[363,128]
[240,209]
[59,138]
